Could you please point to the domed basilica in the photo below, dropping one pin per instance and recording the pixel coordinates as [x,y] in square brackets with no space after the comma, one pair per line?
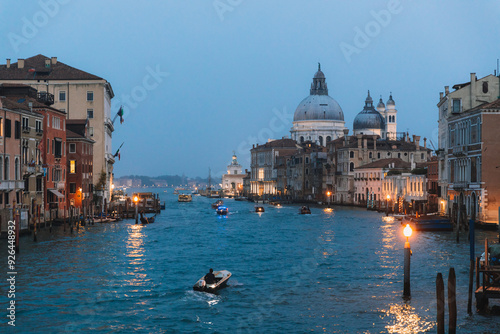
[320,119]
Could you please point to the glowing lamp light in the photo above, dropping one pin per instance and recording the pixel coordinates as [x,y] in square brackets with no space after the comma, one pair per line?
[136,199]
[328,193]
[112,186]
[407,231]
[388,197]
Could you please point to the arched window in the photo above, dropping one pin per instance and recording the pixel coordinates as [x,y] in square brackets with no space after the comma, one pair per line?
[485,87]
[301,139]
[307,184]
[351,154]
[370,155]
[321,140]
[351,167]
[6,169]
[328,138]
[16,171]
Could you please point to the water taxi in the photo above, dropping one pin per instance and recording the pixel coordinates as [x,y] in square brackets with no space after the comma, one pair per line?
[222,210]
[185,198]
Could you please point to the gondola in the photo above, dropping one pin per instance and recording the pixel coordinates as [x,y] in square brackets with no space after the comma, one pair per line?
[221,278]
[147,220]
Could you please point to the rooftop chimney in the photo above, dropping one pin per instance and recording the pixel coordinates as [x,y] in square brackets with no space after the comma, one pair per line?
[359,140]
[8,63]
[416,140]
[374,142]
[472,89]
[53,60]
[441,96]
[346,132]
[365,143]
[20,63]
[47,63]
[425,143]
[446,89]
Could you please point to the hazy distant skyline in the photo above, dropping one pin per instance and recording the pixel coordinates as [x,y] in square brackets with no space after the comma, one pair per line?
[201,79]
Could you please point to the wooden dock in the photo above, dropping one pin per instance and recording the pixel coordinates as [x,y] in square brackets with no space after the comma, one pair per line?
[487,281]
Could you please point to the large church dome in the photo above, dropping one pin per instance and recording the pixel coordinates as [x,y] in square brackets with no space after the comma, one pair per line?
[369,118]
[318,105]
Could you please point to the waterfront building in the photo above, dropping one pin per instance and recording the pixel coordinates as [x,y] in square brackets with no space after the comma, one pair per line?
[406,190]
[304,172]
[79,173]
[350,152]
[434,205]
[465,97]
[263,160]
[17,98]
[318,118]
[369,178]
[246,183]
[380,121]
[473,160]
[78,94]
[232,182]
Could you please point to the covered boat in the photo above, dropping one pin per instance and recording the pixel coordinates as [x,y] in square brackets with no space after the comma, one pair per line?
[222,210]
[185,198]
[217,204]
[221,278]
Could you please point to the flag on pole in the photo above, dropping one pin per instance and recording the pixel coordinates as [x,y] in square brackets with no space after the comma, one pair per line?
[120,113]
[117,154]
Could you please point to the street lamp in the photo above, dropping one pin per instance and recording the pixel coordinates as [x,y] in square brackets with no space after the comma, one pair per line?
[328,194]
[387,205]
[407,253]
[136,199]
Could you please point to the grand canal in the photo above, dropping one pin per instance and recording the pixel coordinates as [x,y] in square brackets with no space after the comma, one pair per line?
[336,271]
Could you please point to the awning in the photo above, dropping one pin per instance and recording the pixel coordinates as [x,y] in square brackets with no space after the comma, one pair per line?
[57,193]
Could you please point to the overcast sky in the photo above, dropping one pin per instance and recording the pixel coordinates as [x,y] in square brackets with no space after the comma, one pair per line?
[203,78]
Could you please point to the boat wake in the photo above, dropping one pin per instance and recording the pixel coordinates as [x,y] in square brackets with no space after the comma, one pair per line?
[197,296]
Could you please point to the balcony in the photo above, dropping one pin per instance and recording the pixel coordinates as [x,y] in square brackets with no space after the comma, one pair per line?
[26,129]
[11,185]
[460,185]
[39,132]
[45,98]
[460,150]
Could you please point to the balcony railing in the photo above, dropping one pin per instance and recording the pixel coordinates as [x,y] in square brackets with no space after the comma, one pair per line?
[39,132]
[26,129]
[45,98]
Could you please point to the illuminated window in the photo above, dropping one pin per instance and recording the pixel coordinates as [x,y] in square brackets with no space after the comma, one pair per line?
[72,166]
[261,173]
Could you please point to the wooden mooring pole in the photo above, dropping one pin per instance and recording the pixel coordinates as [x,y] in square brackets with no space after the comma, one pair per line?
[440,303]
[452,302]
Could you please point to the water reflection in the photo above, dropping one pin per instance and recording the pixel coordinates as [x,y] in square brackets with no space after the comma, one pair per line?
[405,320]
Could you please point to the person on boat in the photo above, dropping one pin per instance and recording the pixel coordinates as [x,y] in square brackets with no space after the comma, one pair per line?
[210,277]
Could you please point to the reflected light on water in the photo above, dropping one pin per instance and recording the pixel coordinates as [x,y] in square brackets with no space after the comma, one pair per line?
[388,219]
[406,320]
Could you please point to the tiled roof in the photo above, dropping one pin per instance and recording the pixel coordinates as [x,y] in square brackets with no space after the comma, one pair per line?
[385,163]
[35,69]
[283,143]
[14,103]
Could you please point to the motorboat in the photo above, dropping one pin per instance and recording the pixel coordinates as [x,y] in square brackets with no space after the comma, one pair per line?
[305,210]
[185,198]
[259,209]
[240,199]
[221,278]
[217,204]
[222,210]
[426,223]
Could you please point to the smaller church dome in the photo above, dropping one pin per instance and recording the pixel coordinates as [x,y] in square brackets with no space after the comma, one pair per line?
[390,102]
[380,104]
[369,118]
[319,74]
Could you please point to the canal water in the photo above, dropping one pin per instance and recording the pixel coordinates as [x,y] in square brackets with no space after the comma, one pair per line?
[338,271]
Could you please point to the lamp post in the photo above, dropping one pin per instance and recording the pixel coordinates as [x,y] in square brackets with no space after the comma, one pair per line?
[328,194]
[387,205]
[136,199]
[407,253]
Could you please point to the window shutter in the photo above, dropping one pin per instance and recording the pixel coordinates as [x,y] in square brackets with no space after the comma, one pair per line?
[7,128]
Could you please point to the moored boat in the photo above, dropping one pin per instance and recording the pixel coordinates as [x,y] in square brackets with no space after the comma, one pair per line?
[221,278]
[429,223]
[305,210]
[222,210]
[185,198]
[259,209]
[147,220]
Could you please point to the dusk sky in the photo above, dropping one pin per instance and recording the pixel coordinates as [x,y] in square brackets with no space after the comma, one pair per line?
[201,79]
